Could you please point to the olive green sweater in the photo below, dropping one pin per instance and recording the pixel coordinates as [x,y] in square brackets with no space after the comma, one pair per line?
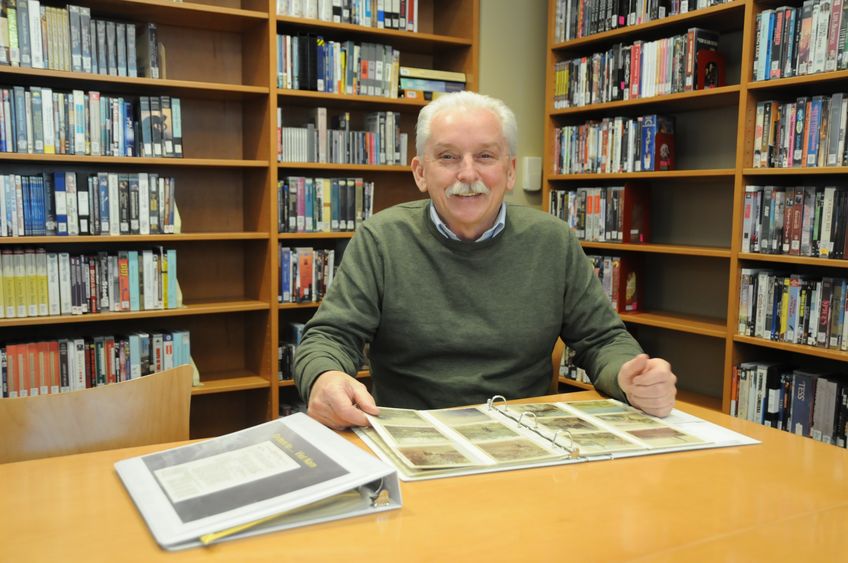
[455,322]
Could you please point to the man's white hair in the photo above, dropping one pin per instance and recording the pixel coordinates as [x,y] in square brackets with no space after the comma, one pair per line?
[467,101]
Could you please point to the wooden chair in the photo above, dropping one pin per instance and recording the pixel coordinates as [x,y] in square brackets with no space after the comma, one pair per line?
[556,358]
[149,410]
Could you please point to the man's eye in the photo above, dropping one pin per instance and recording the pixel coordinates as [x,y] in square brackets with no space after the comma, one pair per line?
[447,157]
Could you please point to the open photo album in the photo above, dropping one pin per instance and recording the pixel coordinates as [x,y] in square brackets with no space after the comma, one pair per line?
[425,444]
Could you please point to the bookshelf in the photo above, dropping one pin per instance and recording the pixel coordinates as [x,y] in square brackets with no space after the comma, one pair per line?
[447,39]
[220,60]
[690,249]
[689,271]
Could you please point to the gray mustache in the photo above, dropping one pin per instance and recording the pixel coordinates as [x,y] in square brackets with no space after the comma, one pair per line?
[461,189]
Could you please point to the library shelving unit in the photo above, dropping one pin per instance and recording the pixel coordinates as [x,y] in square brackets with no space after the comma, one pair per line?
[218,64]
[220,60]
[689,270]
[745,348]
[684,268]
[447,39]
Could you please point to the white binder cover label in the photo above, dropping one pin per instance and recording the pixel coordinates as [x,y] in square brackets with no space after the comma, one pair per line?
[224,471]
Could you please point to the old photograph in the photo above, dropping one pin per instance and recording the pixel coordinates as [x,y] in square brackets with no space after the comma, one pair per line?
[485,431]
[453,417]
[414,435]
[403,417]
[631,420]
[514,450]
[601,442]
[569,423]
[600,407]
[539,409]
[434,456]
[664,437]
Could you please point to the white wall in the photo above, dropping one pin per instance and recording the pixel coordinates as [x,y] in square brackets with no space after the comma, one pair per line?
[512,68]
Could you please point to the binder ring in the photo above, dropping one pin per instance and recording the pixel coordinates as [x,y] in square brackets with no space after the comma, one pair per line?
[535,422]
[490,404]
[572,451]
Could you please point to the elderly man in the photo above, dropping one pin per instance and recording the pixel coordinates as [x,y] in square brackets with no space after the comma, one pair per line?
[463,296]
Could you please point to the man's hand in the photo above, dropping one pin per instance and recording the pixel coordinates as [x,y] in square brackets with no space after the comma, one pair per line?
[648,384]
[338,401]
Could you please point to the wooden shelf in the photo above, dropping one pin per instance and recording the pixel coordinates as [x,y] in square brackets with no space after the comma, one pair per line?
[705,251]
[106,83]
[309,305]
[137,161]
[100,239]
[828,353]
[349,100]
[817,171]
[311,236]
[681,101]
[817,79]
[574,383]
[344,167]
[403,40]
[720,17]
[704,326]
[200,308]
[799,260]
[228,382]
[713,173]
[183,14]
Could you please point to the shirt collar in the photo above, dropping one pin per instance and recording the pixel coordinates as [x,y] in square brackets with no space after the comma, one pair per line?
[500,223]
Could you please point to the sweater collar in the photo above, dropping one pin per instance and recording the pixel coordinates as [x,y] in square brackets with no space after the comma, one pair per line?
[500,222]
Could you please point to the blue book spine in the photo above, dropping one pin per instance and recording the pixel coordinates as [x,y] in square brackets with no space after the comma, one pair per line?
[285,283]
[770,35]
[172,278]
[815,126]
[133,279]
[334,205]
[309,193]
[39,223]
[103,193]
[129,131]
[27,205]
[775,310]
[803,399]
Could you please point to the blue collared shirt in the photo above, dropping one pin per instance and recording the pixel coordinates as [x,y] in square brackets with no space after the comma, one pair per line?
[500,222]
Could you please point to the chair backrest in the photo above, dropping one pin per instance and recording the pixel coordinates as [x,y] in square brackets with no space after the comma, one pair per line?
[556,359]
[149,410]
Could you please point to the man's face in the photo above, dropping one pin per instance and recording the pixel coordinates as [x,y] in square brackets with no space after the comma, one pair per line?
[466,169]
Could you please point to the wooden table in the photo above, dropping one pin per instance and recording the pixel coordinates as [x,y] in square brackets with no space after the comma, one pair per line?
[783,500]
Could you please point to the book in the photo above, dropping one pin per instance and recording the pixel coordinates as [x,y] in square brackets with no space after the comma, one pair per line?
[501,436]
[286,473]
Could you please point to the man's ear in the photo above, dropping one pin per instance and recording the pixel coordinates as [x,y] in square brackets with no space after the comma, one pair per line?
[418,174]
[510,174]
